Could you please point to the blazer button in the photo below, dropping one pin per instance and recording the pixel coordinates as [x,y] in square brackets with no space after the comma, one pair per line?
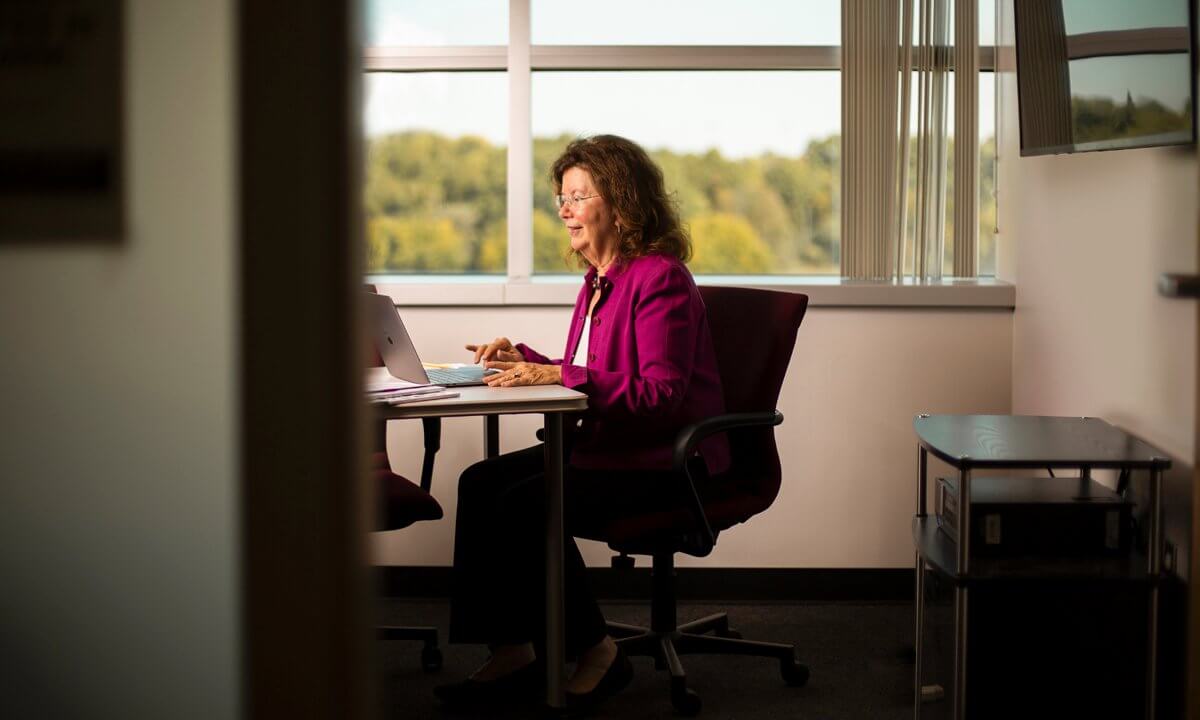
[592,357]
[595,321]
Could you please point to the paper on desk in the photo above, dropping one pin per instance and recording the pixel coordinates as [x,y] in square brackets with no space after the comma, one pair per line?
[390,384]
[418,391]
[402,399]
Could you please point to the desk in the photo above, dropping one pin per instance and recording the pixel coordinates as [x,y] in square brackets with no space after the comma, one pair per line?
[976,442]
[551,401]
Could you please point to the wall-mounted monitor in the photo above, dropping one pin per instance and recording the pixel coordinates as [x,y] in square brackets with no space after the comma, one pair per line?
[1103,74]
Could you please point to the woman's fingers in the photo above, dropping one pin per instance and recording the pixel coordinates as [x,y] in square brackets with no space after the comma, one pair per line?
[499,349]
[512,374]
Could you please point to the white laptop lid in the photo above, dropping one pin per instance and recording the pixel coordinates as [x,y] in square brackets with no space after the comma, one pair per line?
[392,340]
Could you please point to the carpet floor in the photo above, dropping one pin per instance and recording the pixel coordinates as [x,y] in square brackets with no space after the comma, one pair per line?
[856,654]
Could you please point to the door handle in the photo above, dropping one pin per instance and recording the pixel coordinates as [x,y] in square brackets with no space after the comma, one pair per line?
[1178,285]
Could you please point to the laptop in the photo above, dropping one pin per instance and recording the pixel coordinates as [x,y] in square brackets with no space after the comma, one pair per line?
[400,355]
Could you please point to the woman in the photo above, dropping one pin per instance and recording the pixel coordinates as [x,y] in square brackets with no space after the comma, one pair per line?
[639,347]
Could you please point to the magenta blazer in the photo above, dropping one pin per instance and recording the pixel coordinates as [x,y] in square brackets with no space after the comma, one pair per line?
[651,369]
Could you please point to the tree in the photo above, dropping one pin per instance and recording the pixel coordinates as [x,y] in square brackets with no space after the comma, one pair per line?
[414,244]
[725,243]
[493,251]
[452,190]
[550,244]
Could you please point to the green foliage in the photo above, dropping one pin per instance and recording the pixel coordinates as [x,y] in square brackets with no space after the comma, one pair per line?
[493,251]
[437,204]
[724,243]
[987,205]
[424,187]
[419,243]
[1099,118]
[550,244]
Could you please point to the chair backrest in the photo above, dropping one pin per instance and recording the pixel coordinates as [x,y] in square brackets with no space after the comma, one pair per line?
[374,359]
[754,333]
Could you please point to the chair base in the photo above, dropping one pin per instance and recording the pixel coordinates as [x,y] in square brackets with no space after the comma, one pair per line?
[431,655]
[691,639]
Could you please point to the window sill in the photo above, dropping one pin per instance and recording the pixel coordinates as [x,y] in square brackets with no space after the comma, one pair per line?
[822,291]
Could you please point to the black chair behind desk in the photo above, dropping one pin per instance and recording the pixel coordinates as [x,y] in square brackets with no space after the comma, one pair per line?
[754,332]
[402,503]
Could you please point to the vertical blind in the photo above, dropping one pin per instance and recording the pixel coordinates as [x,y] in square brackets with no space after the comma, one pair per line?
[889,162]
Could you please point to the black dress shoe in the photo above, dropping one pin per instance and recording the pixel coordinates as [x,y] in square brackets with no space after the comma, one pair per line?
[518,686]
[616,677]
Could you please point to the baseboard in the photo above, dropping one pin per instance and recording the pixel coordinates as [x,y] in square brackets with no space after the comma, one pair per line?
[699,584]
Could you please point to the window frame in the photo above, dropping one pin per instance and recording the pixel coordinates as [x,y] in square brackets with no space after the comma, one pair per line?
[519,60]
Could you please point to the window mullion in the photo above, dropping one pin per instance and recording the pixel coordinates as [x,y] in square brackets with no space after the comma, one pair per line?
[520,145]
[686,57]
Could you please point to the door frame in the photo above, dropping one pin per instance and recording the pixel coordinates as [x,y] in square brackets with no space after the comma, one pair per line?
[304,583]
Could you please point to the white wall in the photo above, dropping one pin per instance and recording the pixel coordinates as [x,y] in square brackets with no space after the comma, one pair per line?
[856,379]
[117,413]
[1088,235]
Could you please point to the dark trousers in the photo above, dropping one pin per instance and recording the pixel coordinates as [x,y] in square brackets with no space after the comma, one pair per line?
[498,593]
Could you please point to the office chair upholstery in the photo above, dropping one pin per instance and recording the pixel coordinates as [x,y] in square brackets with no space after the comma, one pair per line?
[753,332]
[403,503]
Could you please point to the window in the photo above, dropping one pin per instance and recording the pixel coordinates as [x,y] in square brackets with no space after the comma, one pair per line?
[689,22]
[739,103]
[408,23]
[755,175]
[987,139]
[435,192]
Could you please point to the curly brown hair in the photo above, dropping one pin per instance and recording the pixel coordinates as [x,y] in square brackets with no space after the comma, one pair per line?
[629,181]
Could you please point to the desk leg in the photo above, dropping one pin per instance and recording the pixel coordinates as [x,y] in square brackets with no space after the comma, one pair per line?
[960,594]
[922,476]
[491,436]
[920,605]
[555,640]
[1154,547]
[960,652]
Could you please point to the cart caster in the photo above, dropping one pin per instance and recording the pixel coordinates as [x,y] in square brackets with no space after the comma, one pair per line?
[794,674]
[431,658]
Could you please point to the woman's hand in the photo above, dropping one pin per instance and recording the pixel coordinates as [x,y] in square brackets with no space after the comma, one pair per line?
[499,349]
[523,373]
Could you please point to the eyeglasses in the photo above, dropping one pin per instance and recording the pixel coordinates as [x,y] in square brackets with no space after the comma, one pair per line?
[560,200]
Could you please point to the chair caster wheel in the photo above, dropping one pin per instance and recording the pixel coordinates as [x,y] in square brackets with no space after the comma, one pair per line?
[686,703]
[794,674]
[729,633]
[431,658]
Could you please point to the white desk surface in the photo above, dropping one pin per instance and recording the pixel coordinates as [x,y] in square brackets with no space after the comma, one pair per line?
[484,400]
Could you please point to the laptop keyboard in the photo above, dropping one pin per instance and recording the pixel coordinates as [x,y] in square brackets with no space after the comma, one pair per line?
[439,376]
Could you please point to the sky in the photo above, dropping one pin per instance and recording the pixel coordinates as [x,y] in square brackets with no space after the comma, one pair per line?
[1165,78]
[1085,16]
[740,113]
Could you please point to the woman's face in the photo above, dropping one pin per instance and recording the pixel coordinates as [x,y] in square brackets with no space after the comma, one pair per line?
[591,223]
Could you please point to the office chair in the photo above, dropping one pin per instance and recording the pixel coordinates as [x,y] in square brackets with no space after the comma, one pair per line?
[403,503]
[753,333]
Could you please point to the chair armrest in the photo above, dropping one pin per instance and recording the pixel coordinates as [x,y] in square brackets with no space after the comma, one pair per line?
[685,445]
[689,437]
